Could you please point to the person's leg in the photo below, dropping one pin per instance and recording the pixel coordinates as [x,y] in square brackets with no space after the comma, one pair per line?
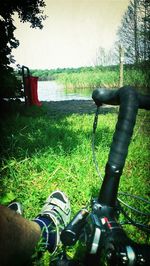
[19,237]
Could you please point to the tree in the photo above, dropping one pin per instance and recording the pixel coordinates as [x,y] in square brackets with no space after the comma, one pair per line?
[28,11]
[128,33]
[134,32]
[106,57]
[145,29]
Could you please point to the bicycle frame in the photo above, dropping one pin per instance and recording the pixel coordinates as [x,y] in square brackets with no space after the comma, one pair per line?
[104,237]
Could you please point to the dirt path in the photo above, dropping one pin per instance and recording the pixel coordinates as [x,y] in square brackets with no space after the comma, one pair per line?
[75,107]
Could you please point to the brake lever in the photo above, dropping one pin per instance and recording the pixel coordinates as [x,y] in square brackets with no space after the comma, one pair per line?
[73,230]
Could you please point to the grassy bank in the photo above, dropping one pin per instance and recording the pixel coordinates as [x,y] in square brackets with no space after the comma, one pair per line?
[41,153]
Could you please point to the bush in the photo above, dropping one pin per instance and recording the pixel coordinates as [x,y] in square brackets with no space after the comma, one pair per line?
[10,86]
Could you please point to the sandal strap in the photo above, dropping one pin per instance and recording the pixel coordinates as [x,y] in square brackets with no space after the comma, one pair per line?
[54,202]
[58,208]
[56,212]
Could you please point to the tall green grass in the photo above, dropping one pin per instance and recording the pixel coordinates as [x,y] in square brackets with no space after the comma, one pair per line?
[104,78]
[89,79]
[41,153]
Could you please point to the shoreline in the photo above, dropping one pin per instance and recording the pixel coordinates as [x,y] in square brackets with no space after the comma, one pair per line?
[69,107]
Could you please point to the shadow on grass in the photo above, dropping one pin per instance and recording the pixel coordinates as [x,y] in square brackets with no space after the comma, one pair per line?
[32,130]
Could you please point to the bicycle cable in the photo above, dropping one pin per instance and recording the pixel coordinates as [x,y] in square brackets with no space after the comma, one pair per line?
[93,144]
[142,226]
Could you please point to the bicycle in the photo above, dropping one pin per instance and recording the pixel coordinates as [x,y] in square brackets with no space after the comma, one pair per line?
[105,239]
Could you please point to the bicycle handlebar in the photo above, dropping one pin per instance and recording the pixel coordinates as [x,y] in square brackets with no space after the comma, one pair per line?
[108,96]
[129,101]
[100,228]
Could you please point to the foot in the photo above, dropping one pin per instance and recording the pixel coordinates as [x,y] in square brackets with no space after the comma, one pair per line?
[16,206]
[57,208]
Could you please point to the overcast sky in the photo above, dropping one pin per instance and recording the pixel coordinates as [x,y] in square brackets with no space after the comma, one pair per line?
[72,33]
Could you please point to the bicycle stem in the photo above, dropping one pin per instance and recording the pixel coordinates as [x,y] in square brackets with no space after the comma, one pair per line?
[109,188]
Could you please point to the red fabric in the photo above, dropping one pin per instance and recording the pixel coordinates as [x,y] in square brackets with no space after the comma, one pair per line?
[32,86]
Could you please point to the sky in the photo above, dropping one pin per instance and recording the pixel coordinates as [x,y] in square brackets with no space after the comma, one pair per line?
[72,33]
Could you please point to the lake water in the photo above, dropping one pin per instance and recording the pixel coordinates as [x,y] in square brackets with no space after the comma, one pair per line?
[52,91]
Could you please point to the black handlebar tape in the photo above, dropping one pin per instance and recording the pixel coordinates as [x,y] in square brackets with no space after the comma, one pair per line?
[127,97]
[111,97]
[144,101]
[106,96]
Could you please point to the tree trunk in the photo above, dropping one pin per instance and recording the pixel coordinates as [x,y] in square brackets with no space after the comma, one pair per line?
[121,59]
[136,46]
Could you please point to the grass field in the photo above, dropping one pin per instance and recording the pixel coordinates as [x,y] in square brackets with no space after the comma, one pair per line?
[41,153]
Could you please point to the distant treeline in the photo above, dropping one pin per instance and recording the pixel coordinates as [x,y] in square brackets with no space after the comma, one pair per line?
[52,74]
[99,76]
